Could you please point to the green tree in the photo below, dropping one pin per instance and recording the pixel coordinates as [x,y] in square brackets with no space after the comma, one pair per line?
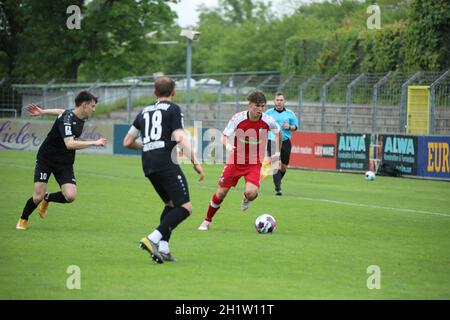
[111,42]
[385,48]
[241,11]
[11,26]
[429,35]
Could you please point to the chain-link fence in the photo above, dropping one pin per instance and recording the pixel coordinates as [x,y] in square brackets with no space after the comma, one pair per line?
[367,102]
[439,104]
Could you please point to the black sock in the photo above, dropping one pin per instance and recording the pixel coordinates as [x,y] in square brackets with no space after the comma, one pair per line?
[277,180]
[28,209]
[282,174]
[172,219]
[163,214]
[55,197]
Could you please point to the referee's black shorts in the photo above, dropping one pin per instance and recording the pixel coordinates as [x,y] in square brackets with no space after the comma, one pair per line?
[285,153]
[171,185]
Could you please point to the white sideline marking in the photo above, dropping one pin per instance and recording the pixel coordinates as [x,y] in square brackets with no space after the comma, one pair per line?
[352,204]
[372,206]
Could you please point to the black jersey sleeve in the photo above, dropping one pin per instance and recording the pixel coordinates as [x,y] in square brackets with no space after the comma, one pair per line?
[176,118]
[136,122]
[65,125]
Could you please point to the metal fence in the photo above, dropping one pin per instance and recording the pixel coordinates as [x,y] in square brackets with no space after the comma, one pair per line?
[366,102]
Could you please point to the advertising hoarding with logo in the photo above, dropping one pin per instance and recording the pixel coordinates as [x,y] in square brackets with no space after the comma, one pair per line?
[401,151]
[434,154]
[353,151]
[313,150]
[29,135]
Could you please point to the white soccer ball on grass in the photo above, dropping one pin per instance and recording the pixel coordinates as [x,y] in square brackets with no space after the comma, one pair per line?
[369,175]
[265,223]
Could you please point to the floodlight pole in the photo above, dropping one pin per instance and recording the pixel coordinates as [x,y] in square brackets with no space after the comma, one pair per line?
[188,76]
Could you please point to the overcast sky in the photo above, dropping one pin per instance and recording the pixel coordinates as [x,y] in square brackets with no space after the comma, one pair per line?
[187,10]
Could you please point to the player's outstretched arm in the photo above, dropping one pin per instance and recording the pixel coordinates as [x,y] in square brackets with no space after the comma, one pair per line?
[36,111]
[180,137]
[73,144]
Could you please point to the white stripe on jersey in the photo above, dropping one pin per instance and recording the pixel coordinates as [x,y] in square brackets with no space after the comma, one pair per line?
[234,122]
[157,106]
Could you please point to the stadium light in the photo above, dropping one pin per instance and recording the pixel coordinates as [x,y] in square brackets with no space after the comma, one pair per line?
[190,35]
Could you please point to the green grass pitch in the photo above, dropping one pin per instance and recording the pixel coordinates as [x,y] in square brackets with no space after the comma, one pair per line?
[331,228]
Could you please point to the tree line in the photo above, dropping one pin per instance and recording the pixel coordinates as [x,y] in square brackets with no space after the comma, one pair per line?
[124,38]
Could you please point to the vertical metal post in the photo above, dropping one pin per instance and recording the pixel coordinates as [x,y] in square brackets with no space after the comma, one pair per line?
[188,78]
[301,88]
[433,99]
[299,105]
[323,98]
[129,104]
[285,58]
[219,107]
[376,87]
[70,98]
[197,100]
[432,108]
[348,101]
[44,95]
[323,93]
[238,96]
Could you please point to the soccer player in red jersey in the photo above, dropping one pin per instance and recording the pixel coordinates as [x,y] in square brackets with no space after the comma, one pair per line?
[245,155]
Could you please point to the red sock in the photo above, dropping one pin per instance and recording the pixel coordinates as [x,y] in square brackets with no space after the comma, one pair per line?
[213,207]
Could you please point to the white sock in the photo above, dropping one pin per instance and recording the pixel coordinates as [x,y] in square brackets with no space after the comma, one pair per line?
[164,247]
[155,236]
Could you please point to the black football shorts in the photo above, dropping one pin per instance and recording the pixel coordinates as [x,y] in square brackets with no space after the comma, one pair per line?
[171,185]
[63,172]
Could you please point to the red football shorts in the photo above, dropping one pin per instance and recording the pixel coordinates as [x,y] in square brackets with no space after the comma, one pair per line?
[232,173]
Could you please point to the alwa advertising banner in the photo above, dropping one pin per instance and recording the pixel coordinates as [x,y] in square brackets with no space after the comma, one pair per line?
[353,151]
[313,150]
[401,152]
[29,135]
[434,157]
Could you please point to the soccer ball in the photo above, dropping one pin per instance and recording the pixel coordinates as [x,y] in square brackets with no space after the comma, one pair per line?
[265,223]
[369,176]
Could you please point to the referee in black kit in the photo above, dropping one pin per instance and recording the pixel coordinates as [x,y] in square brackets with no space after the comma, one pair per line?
[56,155]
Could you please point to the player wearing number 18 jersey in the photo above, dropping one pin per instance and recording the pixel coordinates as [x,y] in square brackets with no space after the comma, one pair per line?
[160,128]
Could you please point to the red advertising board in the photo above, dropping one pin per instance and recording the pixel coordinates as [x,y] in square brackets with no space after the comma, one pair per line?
[313,150]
